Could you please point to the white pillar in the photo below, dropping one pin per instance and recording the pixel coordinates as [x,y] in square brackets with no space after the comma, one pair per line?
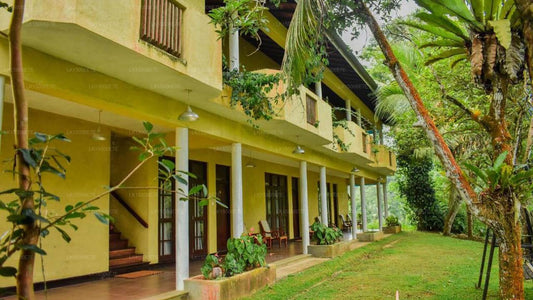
[236,190]
[182,209]
[233,49]
[363,205]
[381,137]
[380,210]
[348,110]
[304,207]
[318,89]
[359,118]
[385,204]
[352,202]
[323,196]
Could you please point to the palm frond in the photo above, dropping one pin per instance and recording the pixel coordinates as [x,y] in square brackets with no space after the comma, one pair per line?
[445,54]
[391,103]
[434,30]
[442,43]
[303,36]
[445,23]
[453,8]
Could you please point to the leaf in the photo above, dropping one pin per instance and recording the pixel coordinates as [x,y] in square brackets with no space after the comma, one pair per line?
[104,218]
[476,56]
[502,29]
[480,173]
[442,43]
[203,202]
[457,59]
[434,30]
[64,235]
[444,55]
[514,58]
[8,271]
[60,137]
[45,233]
[148,126]
[454,8]
[167,164]
[68,208]
[41,137]
[49,169]
[32,248]
[499,160]
[195,190]
[444,23]
[26,155]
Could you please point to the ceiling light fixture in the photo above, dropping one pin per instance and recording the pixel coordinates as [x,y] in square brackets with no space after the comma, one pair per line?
[354,170]
[98,136]
[188,115]
[298,149]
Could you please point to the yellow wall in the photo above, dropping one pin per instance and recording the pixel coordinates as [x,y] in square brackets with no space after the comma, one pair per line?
[87,175]
[143,201]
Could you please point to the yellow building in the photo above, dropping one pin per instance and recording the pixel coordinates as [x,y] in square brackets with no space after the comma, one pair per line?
[95,69]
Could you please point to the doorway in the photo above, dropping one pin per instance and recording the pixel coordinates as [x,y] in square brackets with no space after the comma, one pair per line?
[223,213]
[276,201]
[166,209]
[197,213]
[335,206]
[296,208]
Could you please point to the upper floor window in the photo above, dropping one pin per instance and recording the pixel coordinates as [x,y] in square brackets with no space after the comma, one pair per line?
[161,22]
[311,110]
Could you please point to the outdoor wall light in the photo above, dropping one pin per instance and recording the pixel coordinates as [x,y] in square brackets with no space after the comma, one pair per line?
[188,115]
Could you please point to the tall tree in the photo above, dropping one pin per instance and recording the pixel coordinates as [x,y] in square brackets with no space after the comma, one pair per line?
[483,35]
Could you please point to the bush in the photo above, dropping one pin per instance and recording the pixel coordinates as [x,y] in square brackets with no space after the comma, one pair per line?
[392,221]
[325,235]
[244,253]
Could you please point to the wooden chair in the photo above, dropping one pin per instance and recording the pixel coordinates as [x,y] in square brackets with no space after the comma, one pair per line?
[272,235]
[346,225]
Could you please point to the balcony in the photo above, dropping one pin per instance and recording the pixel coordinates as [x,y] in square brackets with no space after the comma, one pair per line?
[384,160]
[164,46]
[352,144]
[302,118]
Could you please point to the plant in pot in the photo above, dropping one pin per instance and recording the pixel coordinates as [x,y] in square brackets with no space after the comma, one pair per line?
[393,225]
[324,235]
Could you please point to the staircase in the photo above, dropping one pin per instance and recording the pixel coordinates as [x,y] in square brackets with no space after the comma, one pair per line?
[123,259]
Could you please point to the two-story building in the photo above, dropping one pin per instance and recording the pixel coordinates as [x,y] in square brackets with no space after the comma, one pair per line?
[95,69]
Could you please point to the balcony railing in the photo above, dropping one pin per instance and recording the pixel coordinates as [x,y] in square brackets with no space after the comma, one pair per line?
[161,22]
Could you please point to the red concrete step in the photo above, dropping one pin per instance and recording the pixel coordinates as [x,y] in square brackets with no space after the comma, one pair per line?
[124,261]
[118,244]
[121,252]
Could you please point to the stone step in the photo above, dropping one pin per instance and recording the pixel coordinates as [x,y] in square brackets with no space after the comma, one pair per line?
[121,252]
[114,236]
[126,260]
[117,244]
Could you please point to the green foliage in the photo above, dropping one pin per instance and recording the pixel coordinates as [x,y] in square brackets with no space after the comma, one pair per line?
[244,253]
[246,16]
[416,185]
[344,125]
[250,90]
[325,235]
[392,221]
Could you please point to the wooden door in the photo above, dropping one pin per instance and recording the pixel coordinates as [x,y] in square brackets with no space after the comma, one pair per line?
[276,201]
[197,213]
[296,208]
[335,219]
[223,213]
[166,223]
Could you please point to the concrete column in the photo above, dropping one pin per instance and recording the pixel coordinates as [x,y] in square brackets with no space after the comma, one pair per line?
[352,202]
[233,49]
[182,209]
[323,196]
[304,207]
[385,204]
[380,209]
[375,134]
[2,87]
[363,204]
[318,89]
[348,110]
[381,137]
[237,218]
[359,118]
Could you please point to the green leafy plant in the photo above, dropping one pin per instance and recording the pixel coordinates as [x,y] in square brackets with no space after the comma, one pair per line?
[325,235]
[392,221]
[250,90]
[211,261]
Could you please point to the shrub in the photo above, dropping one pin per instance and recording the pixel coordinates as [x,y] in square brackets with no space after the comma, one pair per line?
[392,221]
[325,235]
[244,253]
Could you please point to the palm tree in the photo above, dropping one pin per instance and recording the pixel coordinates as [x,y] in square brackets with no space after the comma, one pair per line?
[486,33]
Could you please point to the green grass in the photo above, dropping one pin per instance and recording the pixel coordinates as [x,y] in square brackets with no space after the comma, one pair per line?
[417,264]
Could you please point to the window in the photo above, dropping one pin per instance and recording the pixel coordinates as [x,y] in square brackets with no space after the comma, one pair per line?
[161,25]
[311,110]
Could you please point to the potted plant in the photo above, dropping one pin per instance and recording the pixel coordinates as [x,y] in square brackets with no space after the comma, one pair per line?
[242,271]
[393,225]
[327,241]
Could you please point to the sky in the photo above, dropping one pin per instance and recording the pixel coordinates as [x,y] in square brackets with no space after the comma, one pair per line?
[407,7]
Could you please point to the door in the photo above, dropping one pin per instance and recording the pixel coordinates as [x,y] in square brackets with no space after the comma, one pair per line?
[296,208]
[197,213]
[223,213]
[335,206]
[166,209]
[276,201]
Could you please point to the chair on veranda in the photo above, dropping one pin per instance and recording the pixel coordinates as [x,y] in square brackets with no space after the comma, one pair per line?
[346,225]
[270,235]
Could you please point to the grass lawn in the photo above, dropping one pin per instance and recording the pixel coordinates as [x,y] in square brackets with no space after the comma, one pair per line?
[417,264]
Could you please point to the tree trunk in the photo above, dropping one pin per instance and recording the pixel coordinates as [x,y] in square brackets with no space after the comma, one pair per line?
[454,203]
[525,7]
[31,231]
[529,142]
[469,223]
